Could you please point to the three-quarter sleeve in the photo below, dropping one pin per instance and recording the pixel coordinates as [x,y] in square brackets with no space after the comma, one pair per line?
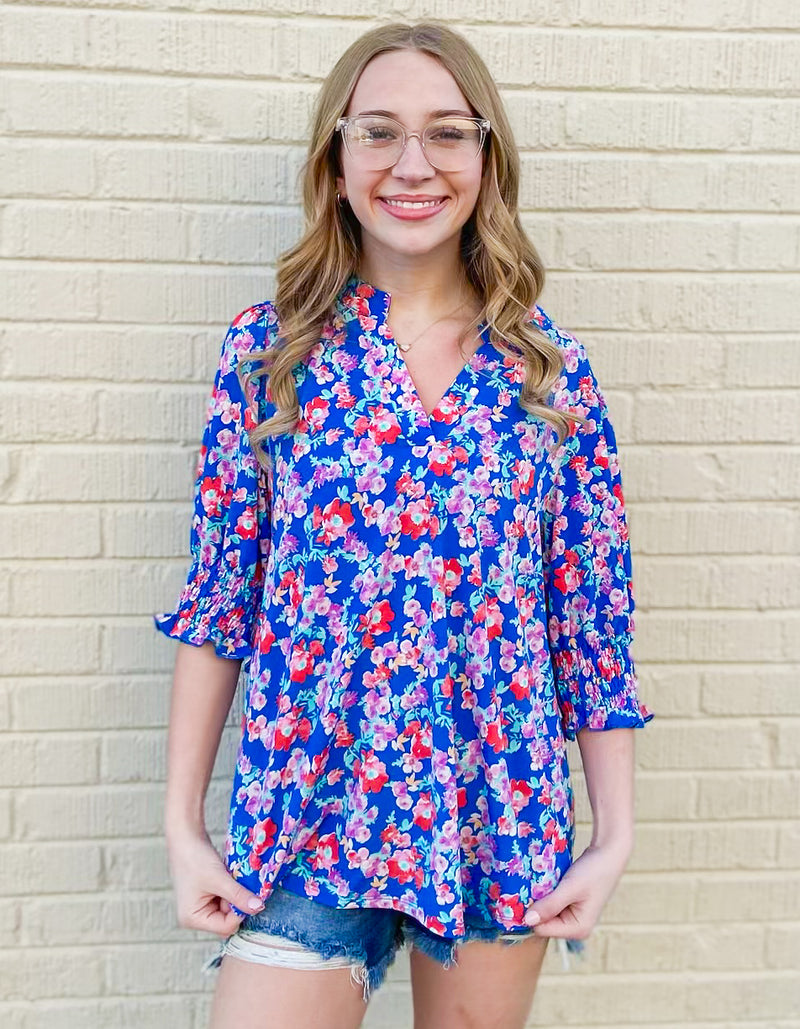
[587,565]
[229,536]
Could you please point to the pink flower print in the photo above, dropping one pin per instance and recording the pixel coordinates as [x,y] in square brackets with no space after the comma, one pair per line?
[413,610]
[403,798]
[376,704]
[424,812]
[229,413]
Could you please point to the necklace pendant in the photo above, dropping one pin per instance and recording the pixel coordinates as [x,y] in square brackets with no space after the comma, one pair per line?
[404,346]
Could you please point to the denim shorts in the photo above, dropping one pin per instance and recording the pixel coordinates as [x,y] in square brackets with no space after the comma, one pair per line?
[299,932]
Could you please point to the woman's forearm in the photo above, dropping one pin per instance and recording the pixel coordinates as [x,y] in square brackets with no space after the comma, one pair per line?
[203,688]
[608,767]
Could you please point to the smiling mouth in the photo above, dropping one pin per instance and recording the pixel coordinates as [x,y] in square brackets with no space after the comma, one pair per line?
[413,205]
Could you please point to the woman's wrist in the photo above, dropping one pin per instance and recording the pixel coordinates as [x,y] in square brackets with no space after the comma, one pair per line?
[618,841]
[181,824]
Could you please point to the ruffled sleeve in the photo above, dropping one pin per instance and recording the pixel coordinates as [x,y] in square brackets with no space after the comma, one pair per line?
[229,537]
[587,564]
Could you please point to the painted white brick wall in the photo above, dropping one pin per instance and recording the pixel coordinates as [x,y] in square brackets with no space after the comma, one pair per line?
[149,180]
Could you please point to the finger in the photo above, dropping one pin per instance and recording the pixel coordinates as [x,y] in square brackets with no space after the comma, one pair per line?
[566,924]
[235,894]
[550,906]
[222,925]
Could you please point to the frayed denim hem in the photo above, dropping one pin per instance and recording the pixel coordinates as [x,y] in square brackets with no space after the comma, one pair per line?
[264,946]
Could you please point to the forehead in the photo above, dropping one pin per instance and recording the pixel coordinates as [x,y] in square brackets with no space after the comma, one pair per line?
[386,84]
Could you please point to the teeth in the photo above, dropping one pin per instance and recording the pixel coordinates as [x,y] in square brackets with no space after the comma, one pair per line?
[413,204]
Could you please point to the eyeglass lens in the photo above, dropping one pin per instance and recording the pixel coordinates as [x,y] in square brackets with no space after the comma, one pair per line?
[449,143]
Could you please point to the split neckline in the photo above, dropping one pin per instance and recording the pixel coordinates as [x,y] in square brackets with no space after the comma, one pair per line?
[462,389]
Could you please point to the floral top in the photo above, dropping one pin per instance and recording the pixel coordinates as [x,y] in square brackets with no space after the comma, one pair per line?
[427,607]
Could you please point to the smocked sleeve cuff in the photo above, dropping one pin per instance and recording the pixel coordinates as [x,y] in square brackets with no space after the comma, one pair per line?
[598,688]
[205,613]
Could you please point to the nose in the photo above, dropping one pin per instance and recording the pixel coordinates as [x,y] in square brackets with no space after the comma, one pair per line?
[412,163]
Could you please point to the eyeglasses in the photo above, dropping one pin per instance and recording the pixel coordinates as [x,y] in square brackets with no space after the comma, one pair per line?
[449,144]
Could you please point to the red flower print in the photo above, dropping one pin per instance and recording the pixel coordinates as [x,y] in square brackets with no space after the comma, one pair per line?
[580,465]
[490,612]
[344,398]
[326,853]
[443,459]
[376,621]
[315,413]
[509,909]
[335,519]
[343,738]
[260,838]
[247,524]
[521,793]
[302,662]
[422,746]
[212,496]
[389,834]
[448,409]
[553,833]
[403,866]
[524,478]
[416,520]
[452,575]
[289,727]
[569,575]
[408,486]
[371,772]
[384,426]
[266,639]
[495,736]
[519,684]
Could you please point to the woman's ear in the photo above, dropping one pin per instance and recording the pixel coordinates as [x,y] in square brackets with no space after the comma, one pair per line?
[340,185]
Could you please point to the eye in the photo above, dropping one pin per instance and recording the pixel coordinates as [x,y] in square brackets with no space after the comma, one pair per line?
[448,132]
[375,133]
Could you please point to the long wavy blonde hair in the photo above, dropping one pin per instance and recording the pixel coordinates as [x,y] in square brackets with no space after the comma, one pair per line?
[499,261]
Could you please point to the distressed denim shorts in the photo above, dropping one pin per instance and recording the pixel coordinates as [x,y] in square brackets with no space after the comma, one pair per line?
[299,932]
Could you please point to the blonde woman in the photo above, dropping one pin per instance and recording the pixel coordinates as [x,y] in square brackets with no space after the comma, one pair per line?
[410,532]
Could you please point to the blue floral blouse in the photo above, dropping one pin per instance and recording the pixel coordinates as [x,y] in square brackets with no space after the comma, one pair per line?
[427,607]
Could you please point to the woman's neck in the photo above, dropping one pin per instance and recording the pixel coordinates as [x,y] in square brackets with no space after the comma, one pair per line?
[422,287]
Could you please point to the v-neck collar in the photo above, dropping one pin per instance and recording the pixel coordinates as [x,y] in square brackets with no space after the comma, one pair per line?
[370,306]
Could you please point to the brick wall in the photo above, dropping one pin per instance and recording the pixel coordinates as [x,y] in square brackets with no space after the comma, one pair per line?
[149,181]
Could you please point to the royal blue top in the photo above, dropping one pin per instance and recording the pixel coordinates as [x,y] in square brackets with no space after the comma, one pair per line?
[427,608]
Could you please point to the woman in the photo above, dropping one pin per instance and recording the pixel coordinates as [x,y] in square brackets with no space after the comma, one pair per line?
[410,530]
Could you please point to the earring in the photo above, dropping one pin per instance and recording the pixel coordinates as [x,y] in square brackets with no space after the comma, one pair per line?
[340,199]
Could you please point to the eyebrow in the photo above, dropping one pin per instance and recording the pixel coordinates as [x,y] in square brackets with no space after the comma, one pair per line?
[441,113]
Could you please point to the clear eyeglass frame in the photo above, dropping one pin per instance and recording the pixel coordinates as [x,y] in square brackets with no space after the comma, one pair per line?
[374,160]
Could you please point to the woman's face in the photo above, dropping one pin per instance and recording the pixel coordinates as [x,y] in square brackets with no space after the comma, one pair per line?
[413,88]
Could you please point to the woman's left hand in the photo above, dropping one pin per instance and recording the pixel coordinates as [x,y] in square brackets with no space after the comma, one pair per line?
[574,906]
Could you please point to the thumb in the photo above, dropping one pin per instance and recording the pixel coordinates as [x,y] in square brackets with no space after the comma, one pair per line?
[546,908]
[238,896]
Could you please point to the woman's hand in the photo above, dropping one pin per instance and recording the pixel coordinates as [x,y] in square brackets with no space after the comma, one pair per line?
[574,906]
[204,889]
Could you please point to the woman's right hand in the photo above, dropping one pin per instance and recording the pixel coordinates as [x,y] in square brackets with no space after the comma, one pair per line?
[204,889]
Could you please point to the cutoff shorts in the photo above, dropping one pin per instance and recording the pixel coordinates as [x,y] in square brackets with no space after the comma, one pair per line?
[299,932]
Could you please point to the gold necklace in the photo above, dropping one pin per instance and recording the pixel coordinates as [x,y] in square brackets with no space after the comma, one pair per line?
[407,346]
